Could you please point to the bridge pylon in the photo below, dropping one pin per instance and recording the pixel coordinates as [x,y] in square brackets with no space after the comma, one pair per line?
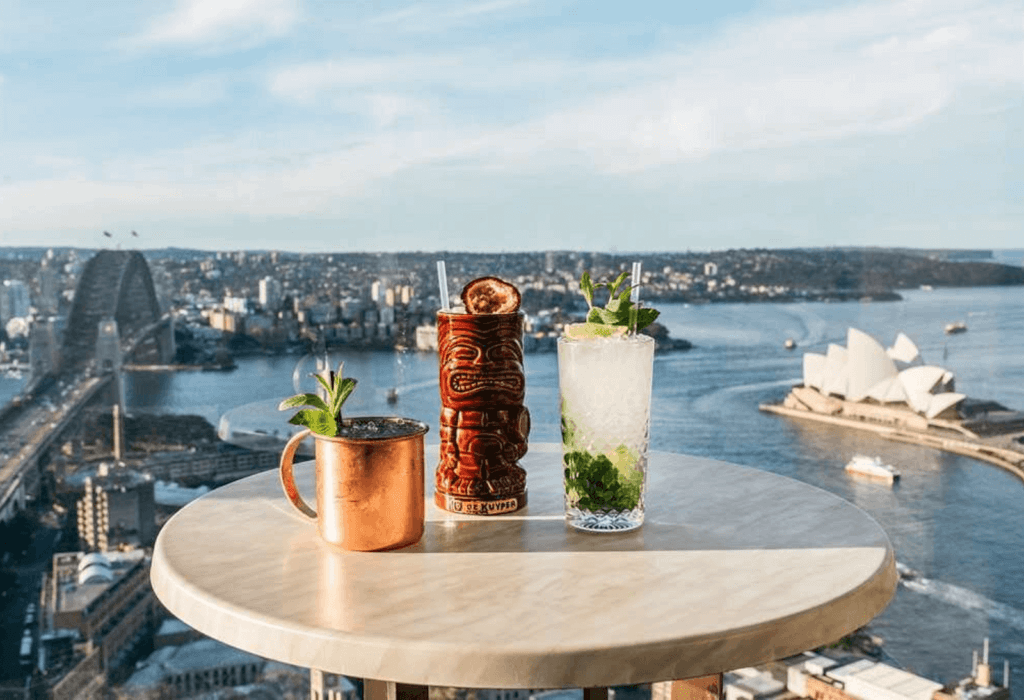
[109,358]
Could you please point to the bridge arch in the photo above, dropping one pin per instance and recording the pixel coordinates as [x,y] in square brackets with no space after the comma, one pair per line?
[118,284]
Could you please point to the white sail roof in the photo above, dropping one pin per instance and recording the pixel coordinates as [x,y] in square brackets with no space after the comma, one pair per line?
[940,402]
[864,369]
[920,382]
[889,390]
[835,378]
[904,352]
[814,369]
[867,364]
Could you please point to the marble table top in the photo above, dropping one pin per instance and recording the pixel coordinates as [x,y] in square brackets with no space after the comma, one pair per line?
[734,566]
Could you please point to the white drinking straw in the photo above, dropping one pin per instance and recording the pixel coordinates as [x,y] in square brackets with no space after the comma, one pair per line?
[634,294]
[442,280]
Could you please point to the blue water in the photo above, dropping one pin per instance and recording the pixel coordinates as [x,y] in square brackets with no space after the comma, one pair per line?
[957,521]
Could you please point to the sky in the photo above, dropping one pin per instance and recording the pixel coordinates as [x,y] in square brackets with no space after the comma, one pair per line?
[502,125]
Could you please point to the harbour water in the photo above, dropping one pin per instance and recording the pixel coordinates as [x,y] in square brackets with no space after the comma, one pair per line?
[958,522]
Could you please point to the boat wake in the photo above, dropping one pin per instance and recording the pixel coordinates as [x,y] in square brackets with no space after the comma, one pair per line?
[713,402]
[963,598]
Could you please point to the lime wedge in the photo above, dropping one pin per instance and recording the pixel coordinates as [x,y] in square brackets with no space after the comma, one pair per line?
[583,331]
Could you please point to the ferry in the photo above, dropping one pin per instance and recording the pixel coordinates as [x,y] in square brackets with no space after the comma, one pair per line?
[873,468]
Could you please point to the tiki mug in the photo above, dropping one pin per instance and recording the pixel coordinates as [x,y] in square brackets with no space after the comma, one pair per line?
[484,425]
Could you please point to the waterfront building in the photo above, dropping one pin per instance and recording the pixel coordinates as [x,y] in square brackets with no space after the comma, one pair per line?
[226,321]
[117,510]
[426,338]
[897,375]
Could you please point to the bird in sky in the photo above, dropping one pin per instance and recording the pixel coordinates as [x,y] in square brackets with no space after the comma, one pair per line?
[108,234]
[135,234]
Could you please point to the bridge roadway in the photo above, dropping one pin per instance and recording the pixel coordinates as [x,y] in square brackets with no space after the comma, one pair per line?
[30,431]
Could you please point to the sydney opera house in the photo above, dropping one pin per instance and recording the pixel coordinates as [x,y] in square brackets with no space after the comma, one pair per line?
[893,392]
[894,376]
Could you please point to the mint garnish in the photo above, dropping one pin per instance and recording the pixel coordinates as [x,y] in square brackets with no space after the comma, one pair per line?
[619,310]
[324,417]
[599,484]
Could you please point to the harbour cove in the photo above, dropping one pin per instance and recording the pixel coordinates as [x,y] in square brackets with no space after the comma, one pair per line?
[957,522]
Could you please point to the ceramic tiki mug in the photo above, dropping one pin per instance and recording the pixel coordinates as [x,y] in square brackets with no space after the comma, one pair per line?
[369,488]
[484,424]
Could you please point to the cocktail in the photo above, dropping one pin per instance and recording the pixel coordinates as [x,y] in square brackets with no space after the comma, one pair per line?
[605,372]
[484,425]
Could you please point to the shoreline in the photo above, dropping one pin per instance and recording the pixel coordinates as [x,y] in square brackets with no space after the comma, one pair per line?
[899,425]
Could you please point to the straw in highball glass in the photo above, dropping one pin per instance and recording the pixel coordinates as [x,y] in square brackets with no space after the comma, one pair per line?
[634,294]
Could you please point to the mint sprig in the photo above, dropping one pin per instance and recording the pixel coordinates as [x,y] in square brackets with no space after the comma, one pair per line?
[599,485]
[322,417]
[619,310]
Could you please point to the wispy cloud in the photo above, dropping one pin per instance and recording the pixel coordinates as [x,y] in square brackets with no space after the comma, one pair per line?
[833,96]
[209,22]
[820,77]
[434,17]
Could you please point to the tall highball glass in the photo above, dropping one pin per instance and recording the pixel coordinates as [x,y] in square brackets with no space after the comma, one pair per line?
[605,390]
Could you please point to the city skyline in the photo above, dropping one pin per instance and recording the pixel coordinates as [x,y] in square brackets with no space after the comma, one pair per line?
[511,125]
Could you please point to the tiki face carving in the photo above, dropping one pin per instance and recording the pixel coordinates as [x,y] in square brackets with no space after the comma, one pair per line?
[482,363]
[484,425]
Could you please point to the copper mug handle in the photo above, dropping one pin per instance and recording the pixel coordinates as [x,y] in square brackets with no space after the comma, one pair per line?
[288,476]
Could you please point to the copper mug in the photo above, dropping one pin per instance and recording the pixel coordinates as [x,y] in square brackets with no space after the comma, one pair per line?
[369,491]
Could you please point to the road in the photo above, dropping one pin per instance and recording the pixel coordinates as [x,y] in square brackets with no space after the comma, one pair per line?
[14,601]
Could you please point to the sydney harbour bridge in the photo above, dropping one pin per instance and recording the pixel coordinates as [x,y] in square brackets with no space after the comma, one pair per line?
[115,318]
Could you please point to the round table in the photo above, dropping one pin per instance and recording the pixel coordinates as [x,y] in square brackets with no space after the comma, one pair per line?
[733,567]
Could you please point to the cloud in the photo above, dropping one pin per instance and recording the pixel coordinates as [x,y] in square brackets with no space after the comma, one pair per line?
[438,17]
[831,101]
[209,22]
[769,83]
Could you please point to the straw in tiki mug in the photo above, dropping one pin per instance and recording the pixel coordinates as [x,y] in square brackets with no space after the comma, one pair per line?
[369,490]
[484,424]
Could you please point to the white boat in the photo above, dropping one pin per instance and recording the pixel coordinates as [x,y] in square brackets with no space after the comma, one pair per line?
[873,468]
[956,327]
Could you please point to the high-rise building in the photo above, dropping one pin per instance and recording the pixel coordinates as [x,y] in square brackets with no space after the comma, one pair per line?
[49,291]
[117,509]
[14,300]
[43,351]
[270,294]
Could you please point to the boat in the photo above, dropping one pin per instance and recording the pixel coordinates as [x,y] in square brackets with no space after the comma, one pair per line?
[872,467]
[392,395]
[789,344]
[956,327]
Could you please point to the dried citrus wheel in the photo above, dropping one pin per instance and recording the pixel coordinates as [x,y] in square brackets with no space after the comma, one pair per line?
[490,295]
